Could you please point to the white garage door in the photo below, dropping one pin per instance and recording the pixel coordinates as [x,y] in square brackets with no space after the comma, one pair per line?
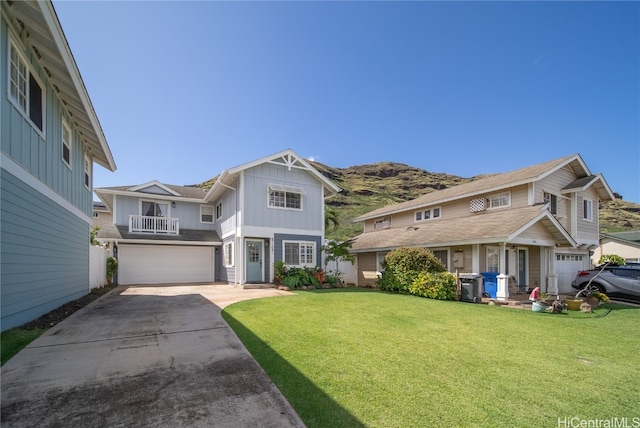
[164,264]
[567,265]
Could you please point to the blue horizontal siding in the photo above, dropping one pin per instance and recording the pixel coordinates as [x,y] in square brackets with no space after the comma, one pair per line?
[44,252]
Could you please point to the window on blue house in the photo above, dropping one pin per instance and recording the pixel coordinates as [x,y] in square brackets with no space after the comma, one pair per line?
[26,92]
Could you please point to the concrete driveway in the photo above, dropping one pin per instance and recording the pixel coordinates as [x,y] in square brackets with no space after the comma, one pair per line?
[144,356]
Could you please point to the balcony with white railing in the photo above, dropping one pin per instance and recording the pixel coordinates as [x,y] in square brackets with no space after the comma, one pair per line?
[147,224]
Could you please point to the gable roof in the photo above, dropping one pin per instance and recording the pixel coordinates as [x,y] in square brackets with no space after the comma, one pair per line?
[287,158]
[171,192]
[499,182]
[490,227]
[41,31]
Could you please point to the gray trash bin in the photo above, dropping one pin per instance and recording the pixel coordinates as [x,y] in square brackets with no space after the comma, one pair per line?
[471,288]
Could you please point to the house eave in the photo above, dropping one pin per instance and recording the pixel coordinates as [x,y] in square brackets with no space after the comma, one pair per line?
[42,27]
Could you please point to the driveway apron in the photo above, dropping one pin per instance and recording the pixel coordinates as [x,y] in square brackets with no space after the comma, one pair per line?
[144,356]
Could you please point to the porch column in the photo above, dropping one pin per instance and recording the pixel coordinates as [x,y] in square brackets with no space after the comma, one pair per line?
[502,293]
[552,278]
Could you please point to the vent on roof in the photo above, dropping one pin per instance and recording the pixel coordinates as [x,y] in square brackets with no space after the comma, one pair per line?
[477,205]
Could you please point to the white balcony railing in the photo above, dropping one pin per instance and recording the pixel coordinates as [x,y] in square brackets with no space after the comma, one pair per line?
[146,224]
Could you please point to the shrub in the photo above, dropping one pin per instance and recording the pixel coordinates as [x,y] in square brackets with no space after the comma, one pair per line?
[296,277]
[440,285]
[402,266]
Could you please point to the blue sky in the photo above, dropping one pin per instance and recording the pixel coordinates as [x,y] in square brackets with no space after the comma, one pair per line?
[184,90]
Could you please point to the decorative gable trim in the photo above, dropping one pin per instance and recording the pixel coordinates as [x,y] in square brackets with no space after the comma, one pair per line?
[287,158]
[166,191]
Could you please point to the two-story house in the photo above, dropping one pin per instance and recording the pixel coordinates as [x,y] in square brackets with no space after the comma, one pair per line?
[50,138]
[536,225]
[253,215]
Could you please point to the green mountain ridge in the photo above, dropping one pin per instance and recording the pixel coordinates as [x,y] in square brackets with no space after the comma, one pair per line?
[372,186]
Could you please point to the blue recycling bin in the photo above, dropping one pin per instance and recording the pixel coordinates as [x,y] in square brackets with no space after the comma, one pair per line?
[490,283]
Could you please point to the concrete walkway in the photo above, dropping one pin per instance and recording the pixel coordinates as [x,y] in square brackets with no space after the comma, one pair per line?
[144,356]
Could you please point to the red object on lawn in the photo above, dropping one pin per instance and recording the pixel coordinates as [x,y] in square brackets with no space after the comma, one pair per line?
[535,294]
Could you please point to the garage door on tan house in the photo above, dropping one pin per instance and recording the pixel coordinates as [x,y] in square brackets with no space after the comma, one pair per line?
[567,266]
[164,264]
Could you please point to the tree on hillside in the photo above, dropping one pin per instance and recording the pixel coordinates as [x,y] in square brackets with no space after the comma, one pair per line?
[330,217]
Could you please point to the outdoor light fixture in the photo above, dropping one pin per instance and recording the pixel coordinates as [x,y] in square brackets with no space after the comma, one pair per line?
[173,204]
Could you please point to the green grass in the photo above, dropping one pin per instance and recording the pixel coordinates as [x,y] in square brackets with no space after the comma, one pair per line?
[12,341]
[365,358]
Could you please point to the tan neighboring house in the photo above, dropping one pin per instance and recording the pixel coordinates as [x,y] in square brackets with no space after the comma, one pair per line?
[101,215]
[534,226]
[623,244]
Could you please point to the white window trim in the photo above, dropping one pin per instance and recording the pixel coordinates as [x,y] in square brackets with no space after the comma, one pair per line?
[550,201]
[213,213]
[25,111]
[431,214]
[447,258]
[154,201]
[88,166]
[227,249]
[68,144]
[313,255]
[218,211]
[490,200]
[285,190]
[384,223]
[491,248]
[589,217]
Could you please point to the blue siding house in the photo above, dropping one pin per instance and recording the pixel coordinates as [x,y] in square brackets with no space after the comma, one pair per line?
[50,139]
[253,215]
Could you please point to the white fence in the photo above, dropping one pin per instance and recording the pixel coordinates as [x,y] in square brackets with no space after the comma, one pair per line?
[97,266]
[348,271]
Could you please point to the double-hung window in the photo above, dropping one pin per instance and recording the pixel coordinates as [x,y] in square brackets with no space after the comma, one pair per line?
[206,214]
[66,144]
[87,172]
[26,92]
[285,197]
[299,253]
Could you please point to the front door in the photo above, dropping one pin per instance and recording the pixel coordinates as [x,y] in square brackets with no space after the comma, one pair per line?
[523,275]
[254,261]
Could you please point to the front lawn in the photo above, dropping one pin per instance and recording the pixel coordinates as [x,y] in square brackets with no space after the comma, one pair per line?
[357,357]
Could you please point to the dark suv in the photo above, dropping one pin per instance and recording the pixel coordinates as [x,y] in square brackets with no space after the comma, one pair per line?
[614,281]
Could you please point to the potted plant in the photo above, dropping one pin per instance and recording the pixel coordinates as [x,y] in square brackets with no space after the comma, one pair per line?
[596,298]
[573,304]
[539,300]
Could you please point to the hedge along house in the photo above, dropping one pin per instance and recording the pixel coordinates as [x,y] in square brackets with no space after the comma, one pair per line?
[534,226]
[253,215]
[50,139]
